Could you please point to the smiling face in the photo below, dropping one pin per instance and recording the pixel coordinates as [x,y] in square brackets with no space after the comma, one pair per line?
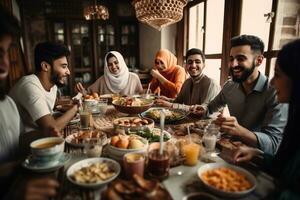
[283,85]
[195,65]
[242,63]
[60,71]
[5,42]
[159,65]
[113,65]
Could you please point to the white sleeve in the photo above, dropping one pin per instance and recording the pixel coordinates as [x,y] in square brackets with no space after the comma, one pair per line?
[34,101]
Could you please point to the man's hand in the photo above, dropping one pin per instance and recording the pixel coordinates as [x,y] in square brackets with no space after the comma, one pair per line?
[41,188]
[198,110]
[229,125]
[161,102]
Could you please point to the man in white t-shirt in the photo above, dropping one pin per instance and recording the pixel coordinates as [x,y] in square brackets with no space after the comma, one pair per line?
[35,94]
[38,188]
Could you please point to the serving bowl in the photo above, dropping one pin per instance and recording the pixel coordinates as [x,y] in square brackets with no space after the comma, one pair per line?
[132,109]
[199,195]
[117,153]
[116,168]
[232,194]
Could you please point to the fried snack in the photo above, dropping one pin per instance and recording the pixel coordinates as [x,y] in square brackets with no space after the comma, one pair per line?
[82,135]
[226,179]
[134,122]
[94,95]
[94,173]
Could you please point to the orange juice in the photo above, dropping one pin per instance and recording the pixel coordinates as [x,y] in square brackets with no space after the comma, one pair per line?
[191,152]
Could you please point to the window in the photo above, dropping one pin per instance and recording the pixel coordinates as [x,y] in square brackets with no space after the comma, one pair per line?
[276,22]
[207,35]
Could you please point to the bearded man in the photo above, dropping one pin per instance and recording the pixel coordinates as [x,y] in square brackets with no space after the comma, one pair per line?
[35,94]
[257,119]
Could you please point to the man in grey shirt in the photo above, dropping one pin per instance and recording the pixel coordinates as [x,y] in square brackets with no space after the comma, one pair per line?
[256,116]
[199,88]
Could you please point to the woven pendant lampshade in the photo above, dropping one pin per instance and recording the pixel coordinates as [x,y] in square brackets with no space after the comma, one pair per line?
[159,13]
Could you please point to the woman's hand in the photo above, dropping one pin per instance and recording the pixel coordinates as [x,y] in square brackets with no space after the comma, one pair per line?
[79,88]
[155,73]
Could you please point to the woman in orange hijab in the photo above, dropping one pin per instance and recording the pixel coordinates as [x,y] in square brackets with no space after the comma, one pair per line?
[168,77]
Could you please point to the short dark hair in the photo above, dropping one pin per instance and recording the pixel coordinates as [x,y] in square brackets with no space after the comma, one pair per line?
[194,51]
[48,52]
[9,25]
[256,44]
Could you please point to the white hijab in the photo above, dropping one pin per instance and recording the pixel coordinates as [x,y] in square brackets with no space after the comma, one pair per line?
[116,82]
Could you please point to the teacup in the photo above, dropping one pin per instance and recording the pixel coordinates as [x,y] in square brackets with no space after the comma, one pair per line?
[47,151]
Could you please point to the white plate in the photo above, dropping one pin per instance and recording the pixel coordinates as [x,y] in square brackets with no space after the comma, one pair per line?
[28,164]
[69,139]
[88,162]
[210,166]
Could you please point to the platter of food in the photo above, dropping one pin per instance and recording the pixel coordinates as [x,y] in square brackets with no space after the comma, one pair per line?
[152,135]
[133,123]
[132,105]
[227,180]
[137,188]
[121,144]
[172,115]
[77,139]
[93,172]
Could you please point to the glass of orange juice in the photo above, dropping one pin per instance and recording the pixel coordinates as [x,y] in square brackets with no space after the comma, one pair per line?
[191,151]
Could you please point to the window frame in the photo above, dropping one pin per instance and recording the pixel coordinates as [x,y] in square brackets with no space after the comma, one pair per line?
[231,28]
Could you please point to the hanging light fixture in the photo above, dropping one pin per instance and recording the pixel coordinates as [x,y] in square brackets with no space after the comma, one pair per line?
[159,14]
[95,11]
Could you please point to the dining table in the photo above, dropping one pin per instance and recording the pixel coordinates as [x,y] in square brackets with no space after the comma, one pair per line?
[182,179]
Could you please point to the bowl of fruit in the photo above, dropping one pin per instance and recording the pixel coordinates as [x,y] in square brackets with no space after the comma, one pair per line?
[121,144]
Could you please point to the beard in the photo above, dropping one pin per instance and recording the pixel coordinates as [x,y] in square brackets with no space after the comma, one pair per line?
[56,79]
[245,73]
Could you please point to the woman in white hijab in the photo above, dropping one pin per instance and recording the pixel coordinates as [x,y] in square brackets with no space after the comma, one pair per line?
[116,79]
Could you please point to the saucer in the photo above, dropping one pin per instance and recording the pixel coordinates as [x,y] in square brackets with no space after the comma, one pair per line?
[32,165]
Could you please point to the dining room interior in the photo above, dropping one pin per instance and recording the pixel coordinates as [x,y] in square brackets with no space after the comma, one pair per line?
[149,99]
[208,25]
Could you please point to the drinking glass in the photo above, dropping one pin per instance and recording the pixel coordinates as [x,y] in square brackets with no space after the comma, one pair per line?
[85,118]
[158,164]
[191,152]
[92,147]
[102,106]
[134,164]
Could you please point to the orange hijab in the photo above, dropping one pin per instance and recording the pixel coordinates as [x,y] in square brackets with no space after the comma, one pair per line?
[169,60]
[174,73]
